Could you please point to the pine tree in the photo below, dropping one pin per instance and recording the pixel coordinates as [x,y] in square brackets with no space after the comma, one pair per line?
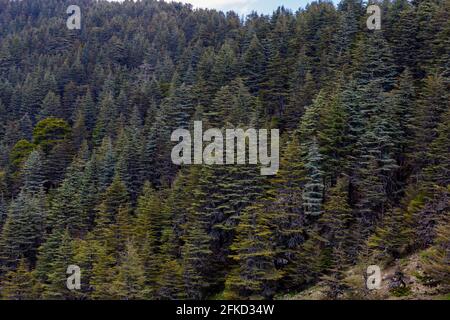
[433,102]
[66,211]
[313,191]
[23,230]
[3,210]
[393,236]
[309,125]
[114,200]
[437,170]
[434,203]
[129,281]
[88,108]
[255,274]
[225,66]
[286,194]
[403,35]
[18,284]
[337,222]
[89,192]
[150,223]
[103,272]
[430,22]
[232,105]
[254,64]
[344,38]
[49,132]
[301,98]
[435,259]
[403,100]
[32,173]
[107,116]
[79,129]
[18,155]
[51,107]
[170,282]
[105,161]
[61,257]
[222,201]
[196,252]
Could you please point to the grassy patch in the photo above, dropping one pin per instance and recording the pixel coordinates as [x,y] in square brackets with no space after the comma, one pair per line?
[401,292]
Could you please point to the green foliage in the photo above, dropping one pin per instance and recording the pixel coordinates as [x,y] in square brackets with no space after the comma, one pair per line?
[401,291]
[255,274]
[18,284]
[49,132]
[20,153]
[436,258]
[86,176]
[23,230]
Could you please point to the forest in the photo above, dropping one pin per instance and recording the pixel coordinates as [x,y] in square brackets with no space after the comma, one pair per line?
[86,176]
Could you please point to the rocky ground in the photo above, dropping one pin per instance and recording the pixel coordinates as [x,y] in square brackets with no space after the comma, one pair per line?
[402,280]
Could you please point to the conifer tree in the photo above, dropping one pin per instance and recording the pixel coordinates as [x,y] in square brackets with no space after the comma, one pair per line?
[332,137]
[18,284]
[438,168]
[436,259]
[32,173]
[66,211]
[23,230]
[114,200]
[51,107]
[103,271]
[49,132]
[18,155]
[129,165]
[225,66]
[196,251]
[286,193]
[255,274]
[254,64]
[150,223]
[3,210]
[106,118]
[403,100]
[105,163]
[432,103]
[313,192]
[338,219]
[61,257]
[129,281]
[393,236]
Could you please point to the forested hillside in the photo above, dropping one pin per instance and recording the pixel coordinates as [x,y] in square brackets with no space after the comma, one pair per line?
[86,176]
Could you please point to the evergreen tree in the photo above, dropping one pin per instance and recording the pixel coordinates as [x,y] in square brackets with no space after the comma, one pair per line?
[313,191]
[61,257]
[435,260]
[196,251]
[438,168]
[23,230]
[254,64]
[150,224]
[129,282]
[18,284]
[286,194]
[432,103]
[66,211]
[332,137]
[114,200]
[255,274]
[32,173]
[51,107]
